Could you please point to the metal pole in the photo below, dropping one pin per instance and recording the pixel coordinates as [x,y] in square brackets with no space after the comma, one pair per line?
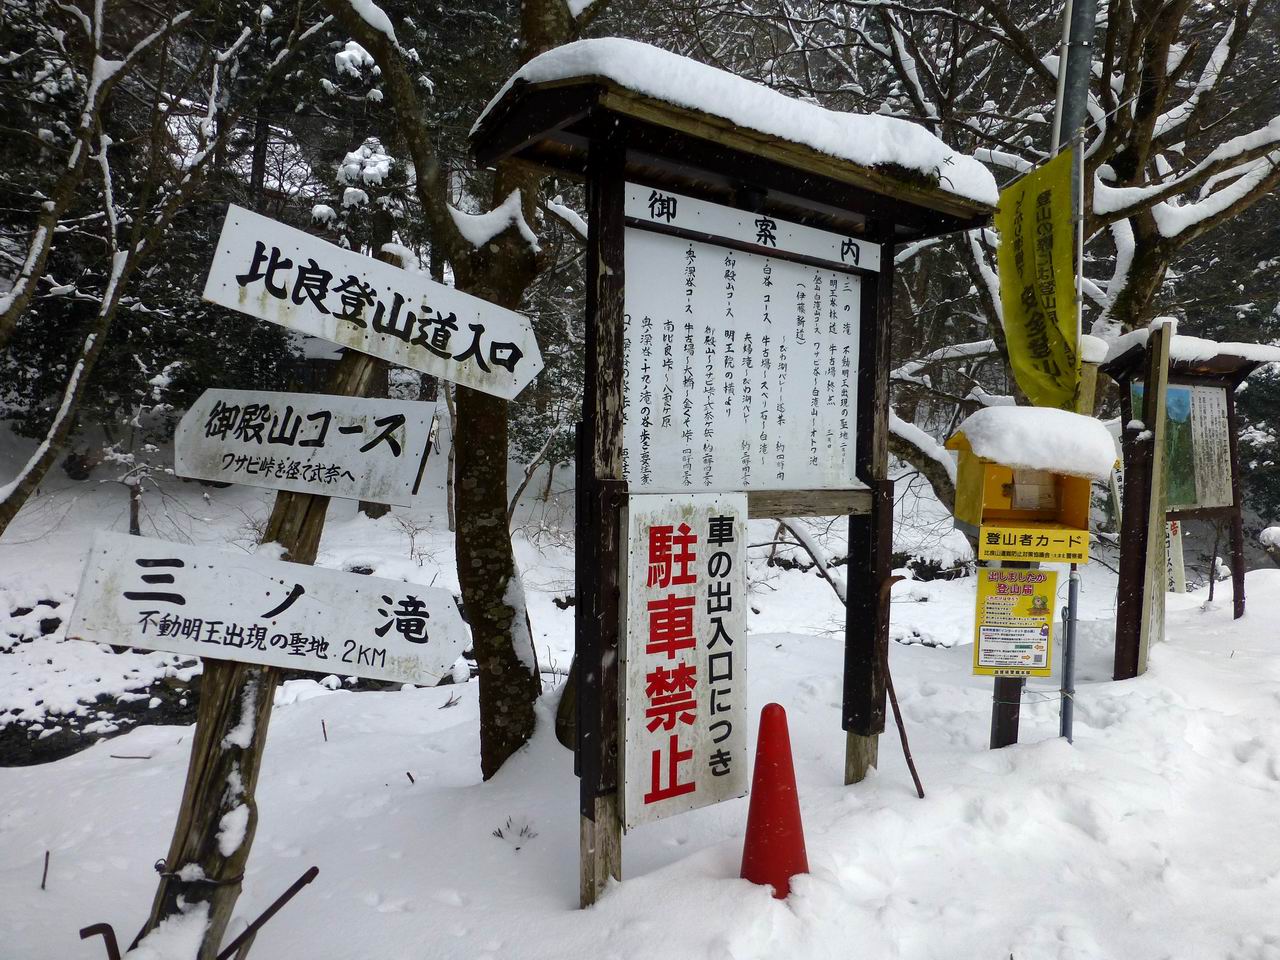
[1075,67]
[1064,49]
[1069,657]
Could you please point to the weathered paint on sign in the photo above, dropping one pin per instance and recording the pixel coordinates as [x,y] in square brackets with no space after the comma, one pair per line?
[352,447]
[1014,622]
[198,601]
[740,368]
[276,273]
[685,654]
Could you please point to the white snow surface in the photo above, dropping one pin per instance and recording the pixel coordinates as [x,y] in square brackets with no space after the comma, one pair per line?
[1152,836]
[869,140]
[231,829]
[1040,438]
[1093,349]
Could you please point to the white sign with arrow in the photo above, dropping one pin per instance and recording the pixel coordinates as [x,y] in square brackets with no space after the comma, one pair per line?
[203,602]
[352,447]
[276,273]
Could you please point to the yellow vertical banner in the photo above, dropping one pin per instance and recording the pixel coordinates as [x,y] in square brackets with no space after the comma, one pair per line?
[1037,283]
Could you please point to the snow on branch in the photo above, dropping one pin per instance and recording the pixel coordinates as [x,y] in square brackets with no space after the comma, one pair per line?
[955,351]
[376,17]
[1174,220]
[1209,78]
[1245,151]
[924,443]
[478,229]
[568,215]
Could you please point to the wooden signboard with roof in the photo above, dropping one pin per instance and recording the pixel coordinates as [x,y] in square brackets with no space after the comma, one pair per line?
[1177,402]
[755,235]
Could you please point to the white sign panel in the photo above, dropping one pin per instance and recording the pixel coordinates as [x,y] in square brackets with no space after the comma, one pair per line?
[351,447]
[1174,567]
[685,654]
[1211,447]
[202,602]
[741,369]
[769,234]
[276,273]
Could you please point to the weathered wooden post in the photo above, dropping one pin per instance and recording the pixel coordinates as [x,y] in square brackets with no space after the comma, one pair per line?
[1182,465]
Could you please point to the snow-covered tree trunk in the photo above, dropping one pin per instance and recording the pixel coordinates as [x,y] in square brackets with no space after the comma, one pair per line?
[499,269]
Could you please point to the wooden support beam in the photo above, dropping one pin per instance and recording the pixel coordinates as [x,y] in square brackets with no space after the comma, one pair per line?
[870,535]
[1138,601]
[601,470]
[807,503]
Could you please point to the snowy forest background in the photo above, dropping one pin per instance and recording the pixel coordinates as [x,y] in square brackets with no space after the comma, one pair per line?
[129,126]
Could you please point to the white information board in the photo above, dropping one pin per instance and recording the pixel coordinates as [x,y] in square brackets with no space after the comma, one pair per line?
[740,368]
[276,273]
[352,447]
[202,602]
[1197,462]
[685,656]
[1211,445]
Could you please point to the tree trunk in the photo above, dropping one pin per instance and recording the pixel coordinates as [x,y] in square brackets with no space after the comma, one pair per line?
[378,387]
[451,467]
[509,683]
[135,508]
[223,772]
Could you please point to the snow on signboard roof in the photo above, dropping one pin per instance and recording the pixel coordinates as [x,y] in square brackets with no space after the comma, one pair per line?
[869,140]
[1041,438]
[1193,349]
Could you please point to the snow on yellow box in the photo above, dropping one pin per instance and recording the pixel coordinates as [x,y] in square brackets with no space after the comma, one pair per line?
[1014,628]
[1023,481]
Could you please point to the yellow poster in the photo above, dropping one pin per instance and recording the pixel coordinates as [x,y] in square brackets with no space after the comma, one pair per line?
[1041,542]
[1014,623]
[1037,283]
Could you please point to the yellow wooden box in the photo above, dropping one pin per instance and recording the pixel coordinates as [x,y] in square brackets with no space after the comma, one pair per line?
[1050,506]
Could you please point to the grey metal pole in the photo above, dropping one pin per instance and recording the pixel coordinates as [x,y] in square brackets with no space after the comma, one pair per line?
[1067,714]
[1080,18]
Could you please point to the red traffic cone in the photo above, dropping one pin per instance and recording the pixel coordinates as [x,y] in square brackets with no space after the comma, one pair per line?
[773,851]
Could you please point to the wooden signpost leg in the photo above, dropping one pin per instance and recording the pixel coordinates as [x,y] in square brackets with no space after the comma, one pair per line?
[1142,520]
[599,571]
[870,537]
[1155,392]
[1237,516]
[231,732]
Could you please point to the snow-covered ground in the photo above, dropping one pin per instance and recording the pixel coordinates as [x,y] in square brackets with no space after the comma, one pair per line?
[1152,836]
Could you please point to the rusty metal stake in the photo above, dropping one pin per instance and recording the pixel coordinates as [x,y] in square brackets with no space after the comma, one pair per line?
[108,934]
[113,948]
[267,914]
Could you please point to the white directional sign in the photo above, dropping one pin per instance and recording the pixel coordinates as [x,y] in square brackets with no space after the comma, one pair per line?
[685,654]
[351,447]
[276,273]
[198,601]
[740,363]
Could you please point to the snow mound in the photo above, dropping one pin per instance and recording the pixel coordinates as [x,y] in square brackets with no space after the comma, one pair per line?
[870,140]
[1041,438]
